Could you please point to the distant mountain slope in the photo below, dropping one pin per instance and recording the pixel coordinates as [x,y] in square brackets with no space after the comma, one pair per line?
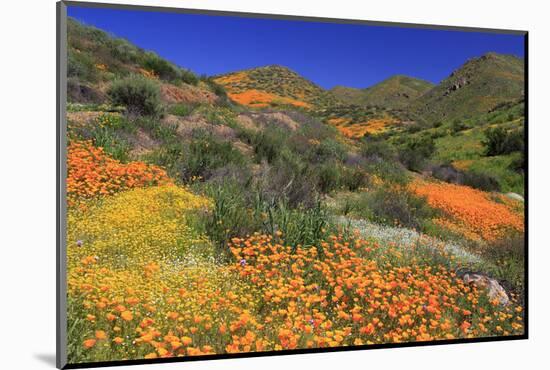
[274,85]
[478,86]
[395,92]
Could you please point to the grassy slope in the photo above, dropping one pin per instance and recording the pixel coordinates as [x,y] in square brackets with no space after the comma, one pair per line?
[465,150]
[395,92]
[475,88]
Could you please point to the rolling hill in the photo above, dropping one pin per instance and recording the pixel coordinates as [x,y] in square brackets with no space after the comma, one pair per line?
[395,92]
[478,86]
[274,85]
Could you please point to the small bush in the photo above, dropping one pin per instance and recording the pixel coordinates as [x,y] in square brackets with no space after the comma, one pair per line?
[518,164]
[416,152]
[124,51]
[474,179]
[161,67]
[329,177]
[499,141]
[268,144]
[377,150]
[82,66]
[328,149]
[457,126]
[289,180]
[229,217]
[188,77]
[113,144]
[447,173]
[140,96]
[480,180]
[353,178]
[396,206]
[205,154]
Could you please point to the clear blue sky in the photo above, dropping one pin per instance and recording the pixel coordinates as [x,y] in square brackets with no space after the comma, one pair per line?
[326,53]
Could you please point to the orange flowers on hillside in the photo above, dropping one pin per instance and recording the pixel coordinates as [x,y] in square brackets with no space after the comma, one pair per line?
[260,99]
[91,172]
[470,212]
[357,130]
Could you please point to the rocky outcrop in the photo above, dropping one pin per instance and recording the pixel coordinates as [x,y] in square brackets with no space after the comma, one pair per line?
[493,288]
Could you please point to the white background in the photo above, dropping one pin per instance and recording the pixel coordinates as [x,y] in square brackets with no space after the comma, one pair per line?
[27,174]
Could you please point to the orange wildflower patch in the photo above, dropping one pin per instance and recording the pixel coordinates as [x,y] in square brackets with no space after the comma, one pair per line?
[359,129]
[470,212]
[232,78]
[91,172]
[261,99]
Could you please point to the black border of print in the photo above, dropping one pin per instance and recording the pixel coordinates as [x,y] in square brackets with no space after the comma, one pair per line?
[61,312]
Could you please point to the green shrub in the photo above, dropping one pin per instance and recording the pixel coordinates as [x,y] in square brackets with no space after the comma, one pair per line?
[329,149]
[205,154]
[140,96]
[416,152]
[480,180]
[374,148]
[457,125]
[161,67]
[268,143]
[329,177]
[188,77]
[82,66]
[230,215]
[289,179]
[499,141]
[353,178]
[124,51]
[393,206]
[518,164]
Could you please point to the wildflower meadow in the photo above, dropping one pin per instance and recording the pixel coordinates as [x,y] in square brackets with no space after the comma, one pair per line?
[257,211]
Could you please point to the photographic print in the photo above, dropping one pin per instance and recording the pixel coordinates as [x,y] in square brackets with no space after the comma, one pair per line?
[240,184]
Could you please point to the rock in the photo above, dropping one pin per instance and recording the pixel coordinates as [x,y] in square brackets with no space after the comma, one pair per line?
[514,196]
[494,289]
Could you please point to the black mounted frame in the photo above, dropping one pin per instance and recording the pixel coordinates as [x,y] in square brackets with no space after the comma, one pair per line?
[61,319]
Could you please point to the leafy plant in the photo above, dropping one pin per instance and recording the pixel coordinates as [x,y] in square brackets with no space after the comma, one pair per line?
[416,152]
[140,96]
[500,141]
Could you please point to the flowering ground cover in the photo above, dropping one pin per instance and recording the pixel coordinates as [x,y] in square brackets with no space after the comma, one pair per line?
[470,212]
[144,281]
[90,172]
[257,211]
